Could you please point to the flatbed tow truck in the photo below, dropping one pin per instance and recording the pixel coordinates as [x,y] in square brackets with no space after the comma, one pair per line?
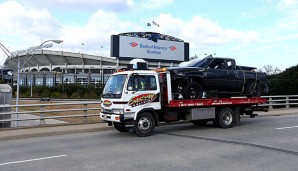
[139,100]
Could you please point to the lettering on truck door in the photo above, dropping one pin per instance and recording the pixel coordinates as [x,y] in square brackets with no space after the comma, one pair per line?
[142,91]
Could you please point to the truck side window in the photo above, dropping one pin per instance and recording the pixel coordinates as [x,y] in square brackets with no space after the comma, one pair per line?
[132,83]
[142,83]
[230,65]
[152,82]
[217,64]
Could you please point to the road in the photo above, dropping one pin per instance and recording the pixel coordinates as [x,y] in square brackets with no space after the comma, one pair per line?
[264,143]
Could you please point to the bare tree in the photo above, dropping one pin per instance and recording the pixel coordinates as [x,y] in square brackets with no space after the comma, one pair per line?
[270,70]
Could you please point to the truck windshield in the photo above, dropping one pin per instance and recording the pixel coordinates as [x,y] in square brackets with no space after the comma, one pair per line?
[201,63]
[114,86]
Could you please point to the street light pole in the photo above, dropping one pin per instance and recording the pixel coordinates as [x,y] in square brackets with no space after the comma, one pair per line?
[18,91]
[18,76]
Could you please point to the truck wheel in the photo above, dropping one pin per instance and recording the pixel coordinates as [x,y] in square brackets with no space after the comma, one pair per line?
[252,89]
[120,127]
[200,122]
[224,118]
[144,125]
[192,90]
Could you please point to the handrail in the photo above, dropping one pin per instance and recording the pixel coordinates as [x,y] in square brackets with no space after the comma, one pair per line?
[281,101]
[83,109]
[52,111]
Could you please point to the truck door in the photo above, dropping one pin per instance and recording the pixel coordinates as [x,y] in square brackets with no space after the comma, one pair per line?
[143,92]
[215,77]
[231,75]
[221,75]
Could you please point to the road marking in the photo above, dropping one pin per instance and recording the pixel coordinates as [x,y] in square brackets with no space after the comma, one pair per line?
[288,127]
[23,161]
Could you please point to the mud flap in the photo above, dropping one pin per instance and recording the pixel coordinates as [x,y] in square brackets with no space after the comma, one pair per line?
[236,120]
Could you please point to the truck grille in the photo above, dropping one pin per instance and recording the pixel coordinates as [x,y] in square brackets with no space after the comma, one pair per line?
[107,111]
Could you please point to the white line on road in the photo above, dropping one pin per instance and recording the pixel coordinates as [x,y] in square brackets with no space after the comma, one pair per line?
[23,161]
[288,127]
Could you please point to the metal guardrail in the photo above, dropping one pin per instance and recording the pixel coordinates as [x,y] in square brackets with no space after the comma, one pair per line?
[43,114]
[281,101]
[53,113]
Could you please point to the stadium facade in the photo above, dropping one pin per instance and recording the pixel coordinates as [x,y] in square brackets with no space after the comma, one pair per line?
[50,68]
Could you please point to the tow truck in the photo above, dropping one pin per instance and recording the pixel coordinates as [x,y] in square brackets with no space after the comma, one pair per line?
[139,99]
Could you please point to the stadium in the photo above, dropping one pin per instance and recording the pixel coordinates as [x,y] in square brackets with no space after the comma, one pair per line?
[50,68]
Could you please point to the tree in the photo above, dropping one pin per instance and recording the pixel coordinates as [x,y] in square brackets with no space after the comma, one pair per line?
[284,83]
[270,70]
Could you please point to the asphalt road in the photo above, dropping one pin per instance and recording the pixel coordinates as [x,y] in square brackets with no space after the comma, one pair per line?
[265,143]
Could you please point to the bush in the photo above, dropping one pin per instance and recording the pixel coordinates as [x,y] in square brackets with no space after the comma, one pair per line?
[61,91]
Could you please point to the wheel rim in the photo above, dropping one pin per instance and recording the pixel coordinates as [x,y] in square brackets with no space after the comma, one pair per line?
[193,92]
[144,124]
[227,118]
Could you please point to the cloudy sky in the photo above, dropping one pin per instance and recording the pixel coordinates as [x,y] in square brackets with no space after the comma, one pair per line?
[254,32]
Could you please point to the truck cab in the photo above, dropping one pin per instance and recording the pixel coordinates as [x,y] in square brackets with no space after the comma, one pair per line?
[128,93]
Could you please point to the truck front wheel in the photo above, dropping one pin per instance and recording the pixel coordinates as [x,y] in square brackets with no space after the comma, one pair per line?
[192,90]
[144,125]
[120,127]
[224,118]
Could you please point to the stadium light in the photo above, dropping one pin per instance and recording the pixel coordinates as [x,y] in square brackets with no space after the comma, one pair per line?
[18,74]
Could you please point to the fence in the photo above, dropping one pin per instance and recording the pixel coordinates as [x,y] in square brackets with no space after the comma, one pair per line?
[46,113]
[282,101]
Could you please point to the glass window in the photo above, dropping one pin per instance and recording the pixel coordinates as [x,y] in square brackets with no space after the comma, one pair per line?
[114,86]
[49,82]
[142,83]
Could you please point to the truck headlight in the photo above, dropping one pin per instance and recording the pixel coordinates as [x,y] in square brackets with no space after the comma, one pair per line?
[118,111]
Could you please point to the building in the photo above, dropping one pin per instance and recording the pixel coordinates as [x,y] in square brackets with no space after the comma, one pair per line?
[50,68]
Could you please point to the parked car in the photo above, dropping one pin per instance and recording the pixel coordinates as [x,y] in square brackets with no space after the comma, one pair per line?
[45,99]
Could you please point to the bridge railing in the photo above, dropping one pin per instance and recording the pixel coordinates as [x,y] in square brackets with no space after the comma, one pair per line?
[281,101]
[46,113]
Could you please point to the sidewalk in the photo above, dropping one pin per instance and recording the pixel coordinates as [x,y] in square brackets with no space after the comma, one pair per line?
[10,133]
[278,112]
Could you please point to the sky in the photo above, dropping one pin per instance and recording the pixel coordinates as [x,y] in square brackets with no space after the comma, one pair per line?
[254,32]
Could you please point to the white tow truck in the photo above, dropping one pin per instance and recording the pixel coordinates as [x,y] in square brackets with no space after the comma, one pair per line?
[139,100]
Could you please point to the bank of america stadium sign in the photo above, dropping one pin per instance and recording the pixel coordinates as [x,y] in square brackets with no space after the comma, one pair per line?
[142,47]
[152,49]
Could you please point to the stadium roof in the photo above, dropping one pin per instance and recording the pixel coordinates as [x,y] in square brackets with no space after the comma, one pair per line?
[53,60]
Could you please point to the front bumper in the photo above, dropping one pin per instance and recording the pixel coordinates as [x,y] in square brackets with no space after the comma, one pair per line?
[111,117]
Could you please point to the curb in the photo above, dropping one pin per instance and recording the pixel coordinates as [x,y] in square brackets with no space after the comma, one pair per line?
[51,133]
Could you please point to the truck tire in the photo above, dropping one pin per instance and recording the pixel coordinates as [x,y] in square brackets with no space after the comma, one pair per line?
[252,89]
[224,118]
[192,90]
[144,125]
[120,127]
[200,122]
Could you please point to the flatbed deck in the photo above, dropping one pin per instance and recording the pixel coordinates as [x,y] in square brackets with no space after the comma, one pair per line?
[211,102]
